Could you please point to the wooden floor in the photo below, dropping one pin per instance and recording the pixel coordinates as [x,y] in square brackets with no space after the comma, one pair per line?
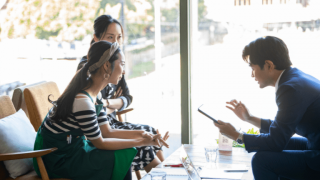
[225,159]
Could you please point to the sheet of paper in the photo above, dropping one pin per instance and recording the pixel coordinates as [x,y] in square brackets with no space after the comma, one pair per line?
[172,171]
[219,173]
[235,167]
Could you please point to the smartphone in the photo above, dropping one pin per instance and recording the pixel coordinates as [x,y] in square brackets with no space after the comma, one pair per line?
[201,110]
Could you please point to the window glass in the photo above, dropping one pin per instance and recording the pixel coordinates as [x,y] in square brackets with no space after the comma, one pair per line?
[45,40]
[218,72]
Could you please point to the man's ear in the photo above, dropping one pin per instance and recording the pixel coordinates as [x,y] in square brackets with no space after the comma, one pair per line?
[269,65]
[95,38]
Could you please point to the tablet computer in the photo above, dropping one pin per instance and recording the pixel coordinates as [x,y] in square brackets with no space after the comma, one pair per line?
[203,111]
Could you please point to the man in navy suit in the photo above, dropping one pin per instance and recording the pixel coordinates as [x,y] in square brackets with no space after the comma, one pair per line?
[279,155]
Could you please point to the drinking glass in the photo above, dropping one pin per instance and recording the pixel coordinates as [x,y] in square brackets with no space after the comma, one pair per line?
[158,175]
[211,153]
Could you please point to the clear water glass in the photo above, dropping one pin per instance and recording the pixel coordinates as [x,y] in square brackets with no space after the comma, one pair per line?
[211,153]
[158,175]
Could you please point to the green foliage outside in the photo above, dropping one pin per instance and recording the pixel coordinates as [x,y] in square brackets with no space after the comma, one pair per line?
[150,12]
[103,4]
[44,18]
[139,69]
[136,30]
[235,144]
[10,33]
[137,51]
[43,34]
[202,11]
[171,15]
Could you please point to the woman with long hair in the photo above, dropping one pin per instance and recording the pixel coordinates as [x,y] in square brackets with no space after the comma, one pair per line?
[78,125]
[118,96]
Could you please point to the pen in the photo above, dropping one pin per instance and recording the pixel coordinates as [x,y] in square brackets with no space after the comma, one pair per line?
[236,170]
[177,165]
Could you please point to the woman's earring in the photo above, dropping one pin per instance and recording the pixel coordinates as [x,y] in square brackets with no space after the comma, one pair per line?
[88,74]
[106,76]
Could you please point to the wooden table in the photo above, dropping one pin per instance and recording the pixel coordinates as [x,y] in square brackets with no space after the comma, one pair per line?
[225,159]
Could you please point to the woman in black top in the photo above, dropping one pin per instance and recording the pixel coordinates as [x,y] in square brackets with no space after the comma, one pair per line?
[118,96]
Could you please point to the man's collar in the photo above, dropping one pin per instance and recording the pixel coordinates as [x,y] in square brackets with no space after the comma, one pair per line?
[277,83]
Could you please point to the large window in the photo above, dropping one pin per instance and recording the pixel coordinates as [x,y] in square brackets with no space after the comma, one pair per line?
[44,41]
[218,72]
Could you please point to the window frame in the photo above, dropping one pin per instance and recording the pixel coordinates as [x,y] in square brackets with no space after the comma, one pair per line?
[185,71]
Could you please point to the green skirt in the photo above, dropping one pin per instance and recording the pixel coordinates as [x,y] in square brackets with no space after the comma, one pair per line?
[80,159]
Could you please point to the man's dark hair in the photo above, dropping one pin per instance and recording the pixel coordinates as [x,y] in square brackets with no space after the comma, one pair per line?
[267,48]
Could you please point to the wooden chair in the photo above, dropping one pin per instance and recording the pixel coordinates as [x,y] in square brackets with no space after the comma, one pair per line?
[7,109]
[18,98]
[36,98]
[123,112]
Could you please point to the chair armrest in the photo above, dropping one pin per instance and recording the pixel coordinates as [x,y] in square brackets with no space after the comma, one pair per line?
[28,154]
[125,111]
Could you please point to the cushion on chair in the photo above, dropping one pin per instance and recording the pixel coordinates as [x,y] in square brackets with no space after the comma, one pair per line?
[6,109]
[17,135]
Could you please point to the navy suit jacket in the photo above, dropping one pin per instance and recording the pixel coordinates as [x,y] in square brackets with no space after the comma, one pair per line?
[298,101]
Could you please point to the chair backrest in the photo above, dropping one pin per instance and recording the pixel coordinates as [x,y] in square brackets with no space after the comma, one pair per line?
[6,109]
[18,98]
[36,98]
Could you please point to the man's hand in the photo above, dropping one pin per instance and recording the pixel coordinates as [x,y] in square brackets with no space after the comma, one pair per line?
[239,109]
[227,129]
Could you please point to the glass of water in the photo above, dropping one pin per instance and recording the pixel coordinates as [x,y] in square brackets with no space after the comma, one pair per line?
[158,175]
[211,153]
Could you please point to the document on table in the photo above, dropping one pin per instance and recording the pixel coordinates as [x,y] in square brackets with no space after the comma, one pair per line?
[219,174]
[204,174]
[231,172]
[172,171]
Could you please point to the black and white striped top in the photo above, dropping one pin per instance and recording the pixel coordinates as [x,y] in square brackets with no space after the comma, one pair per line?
[83,116]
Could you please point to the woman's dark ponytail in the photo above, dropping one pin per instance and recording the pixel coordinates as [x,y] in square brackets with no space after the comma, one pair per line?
[81,81]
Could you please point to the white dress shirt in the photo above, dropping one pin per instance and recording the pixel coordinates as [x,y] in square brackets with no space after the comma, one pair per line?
[277,83]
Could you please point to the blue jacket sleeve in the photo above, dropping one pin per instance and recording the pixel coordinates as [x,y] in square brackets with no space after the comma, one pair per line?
[265,125]
[291,108]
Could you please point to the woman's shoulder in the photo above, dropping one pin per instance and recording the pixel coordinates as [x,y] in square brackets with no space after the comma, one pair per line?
[82,103]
